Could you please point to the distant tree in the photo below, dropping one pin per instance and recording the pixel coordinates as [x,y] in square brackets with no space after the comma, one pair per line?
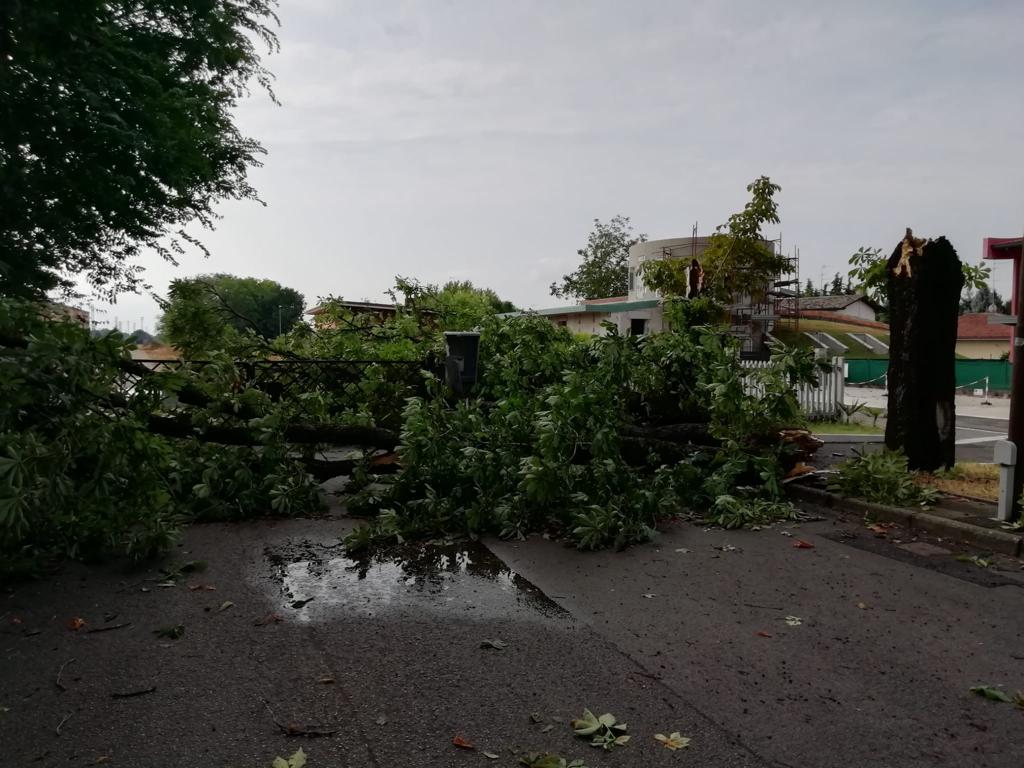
[603,270]
[496,303]
[984,299]
[212,312]
[837,288]
[809,289]
[117,130]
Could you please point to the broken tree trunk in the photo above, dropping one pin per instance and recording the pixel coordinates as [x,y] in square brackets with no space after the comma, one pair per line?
[925,280]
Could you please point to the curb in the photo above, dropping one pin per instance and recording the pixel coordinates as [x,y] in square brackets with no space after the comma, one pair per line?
[992,539]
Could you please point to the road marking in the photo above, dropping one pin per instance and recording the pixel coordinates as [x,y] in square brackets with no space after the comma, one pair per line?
[975,429]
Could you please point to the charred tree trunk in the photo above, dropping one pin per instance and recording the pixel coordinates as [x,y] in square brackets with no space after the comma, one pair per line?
[925,280]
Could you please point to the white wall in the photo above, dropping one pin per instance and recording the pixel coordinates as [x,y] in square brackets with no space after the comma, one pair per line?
[859,309]
[678,247]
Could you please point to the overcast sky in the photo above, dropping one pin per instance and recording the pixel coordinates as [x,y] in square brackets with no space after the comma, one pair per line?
[477,140]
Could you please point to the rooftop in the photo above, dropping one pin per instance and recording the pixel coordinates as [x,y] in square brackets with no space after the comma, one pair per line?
[829,303]
[977,327]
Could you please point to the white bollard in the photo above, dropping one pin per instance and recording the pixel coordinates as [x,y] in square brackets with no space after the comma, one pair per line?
[1006,457]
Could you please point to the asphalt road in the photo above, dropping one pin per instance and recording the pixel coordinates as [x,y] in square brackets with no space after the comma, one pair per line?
[687,634]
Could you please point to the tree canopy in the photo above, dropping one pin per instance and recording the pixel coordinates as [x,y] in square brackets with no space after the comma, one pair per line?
[737,259]
[207,313]
[603,270]
[117,131]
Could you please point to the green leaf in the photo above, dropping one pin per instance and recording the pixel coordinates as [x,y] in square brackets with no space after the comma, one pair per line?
[991,693]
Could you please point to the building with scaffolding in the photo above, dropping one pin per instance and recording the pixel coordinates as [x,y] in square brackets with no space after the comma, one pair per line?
[751,318]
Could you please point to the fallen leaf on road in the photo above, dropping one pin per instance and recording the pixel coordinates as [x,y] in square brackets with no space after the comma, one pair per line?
[726,548]
[497,645]
[381,720]
[649,595]
[991,693]
[862,606]
[801,544]
[15,620]
[76,623]
[103,759]
[536,717]
[673,741]
[785,533]
[461,743]
[762,634]
[326,680]
[204,587]
[981,562]
[298,760]
[172,632]
[490,755]
[270,618]
[301,603]
[546,728]
[683,550]
[224,606]
[794,621]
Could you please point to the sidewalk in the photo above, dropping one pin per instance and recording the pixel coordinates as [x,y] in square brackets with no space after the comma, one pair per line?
[966,405]
[858,649]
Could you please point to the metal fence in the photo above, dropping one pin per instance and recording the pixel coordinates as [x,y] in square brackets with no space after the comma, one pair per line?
[822,401]
[968,372]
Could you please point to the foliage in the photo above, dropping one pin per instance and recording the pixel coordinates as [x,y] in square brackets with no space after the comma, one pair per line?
[82,475]
[983,299]
[117,131]
[605,731]
[870,274]
[297,760]
[881,477]
[603,268]
[542,444]
[673,741]
[737,259]
[218,312]
[738,512]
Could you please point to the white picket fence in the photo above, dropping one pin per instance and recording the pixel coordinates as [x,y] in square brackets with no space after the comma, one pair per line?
[822,401]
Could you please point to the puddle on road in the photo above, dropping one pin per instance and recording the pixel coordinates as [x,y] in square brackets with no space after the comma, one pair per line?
[316,581]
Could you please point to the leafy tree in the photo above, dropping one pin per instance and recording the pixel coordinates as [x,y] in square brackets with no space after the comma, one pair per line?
[207,313]
[117,131]
[737,260]
[837,288]
[869,275]
[809,289]
[603,271]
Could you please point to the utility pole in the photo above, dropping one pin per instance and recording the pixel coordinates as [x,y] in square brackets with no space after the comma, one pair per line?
[1016,431]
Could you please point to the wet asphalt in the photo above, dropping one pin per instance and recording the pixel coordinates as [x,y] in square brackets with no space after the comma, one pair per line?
[286,643]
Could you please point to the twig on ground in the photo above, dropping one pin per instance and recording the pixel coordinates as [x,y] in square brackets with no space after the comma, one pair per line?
[108,629]
[64,720]
[765,607]
[129,694]
[294,729]
[61,672]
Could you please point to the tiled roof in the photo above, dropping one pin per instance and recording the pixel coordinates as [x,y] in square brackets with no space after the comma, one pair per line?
[977,327]
[832,303]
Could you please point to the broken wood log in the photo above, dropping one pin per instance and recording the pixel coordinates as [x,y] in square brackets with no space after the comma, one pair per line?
[925,280]
[333,434]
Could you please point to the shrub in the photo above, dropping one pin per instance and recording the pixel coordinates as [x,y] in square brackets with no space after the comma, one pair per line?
[881,477]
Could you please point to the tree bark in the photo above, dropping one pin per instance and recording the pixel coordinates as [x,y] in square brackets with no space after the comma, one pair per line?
[925,281]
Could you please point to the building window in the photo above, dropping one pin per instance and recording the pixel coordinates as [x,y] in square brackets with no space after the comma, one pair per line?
[637,326]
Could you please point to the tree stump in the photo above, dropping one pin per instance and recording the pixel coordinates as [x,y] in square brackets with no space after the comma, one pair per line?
[925,281]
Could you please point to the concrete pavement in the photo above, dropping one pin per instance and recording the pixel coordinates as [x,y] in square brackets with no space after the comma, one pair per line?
[386,654]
